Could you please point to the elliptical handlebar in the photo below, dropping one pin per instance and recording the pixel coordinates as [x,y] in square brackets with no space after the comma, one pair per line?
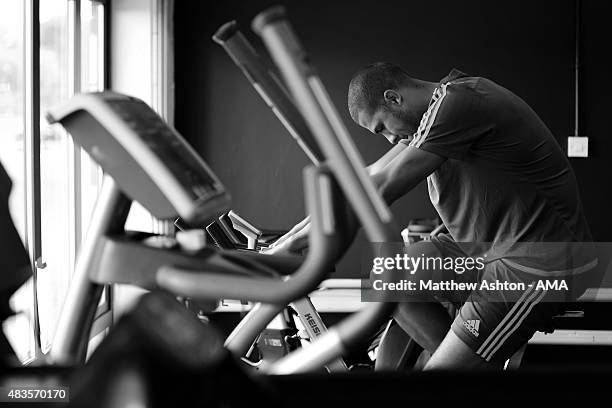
[349,170]
[148,161]
[331,134]
[138,150]
[268,87]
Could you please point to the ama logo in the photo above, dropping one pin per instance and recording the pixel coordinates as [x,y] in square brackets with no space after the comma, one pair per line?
[558,284]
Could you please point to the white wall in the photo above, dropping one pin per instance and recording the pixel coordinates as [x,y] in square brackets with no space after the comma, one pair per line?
[131,53]
[135,60]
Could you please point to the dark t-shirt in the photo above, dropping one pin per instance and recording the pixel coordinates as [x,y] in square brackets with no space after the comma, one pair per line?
[506,180]
[15,264]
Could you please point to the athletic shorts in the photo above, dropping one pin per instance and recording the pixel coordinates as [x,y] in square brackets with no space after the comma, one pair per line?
[496,323]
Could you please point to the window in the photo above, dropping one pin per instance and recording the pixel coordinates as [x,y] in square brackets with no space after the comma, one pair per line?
[92,79]
[49,50]
[70,59]
[11,104]
[54,278]
[12,154]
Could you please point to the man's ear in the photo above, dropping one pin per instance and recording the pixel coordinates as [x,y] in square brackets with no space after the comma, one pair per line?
[392,96]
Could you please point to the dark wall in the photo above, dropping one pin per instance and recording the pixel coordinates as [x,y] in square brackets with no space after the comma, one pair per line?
[595,173]
[527,46]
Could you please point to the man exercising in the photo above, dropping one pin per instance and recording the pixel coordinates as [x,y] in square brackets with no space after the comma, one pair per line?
[495,175]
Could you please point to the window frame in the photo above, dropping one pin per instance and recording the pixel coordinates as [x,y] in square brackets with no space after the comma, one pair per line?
[32,144]
[161,97]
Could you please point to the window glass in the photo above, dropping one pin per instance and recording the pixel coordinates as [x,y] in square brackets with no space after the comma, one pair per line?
[11,105]
[54,279]
[60,230]
[92,79]
[18,329]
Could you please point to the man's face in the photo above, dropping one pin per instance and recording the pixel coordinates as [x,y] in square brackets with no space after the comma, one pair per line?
[394,122]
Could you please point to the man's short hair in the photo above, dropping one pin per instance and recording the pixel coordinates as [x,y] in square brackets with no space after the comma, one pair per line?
[369,84]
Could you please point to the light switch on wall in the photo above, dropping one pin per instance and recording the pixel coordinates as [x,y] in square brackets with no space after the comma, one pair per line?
[578,146]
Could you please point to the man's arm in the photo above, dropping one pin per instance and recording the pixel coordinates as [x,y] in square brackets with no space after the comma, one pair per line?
[407,169]
[385,159]
[297,238]
[293,241]
[402,173]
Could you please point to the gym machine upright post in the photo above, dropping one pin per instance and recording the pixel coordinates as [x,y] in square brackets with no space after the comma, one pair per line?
[277,98]
[343,158]
[251,330]
[271,90]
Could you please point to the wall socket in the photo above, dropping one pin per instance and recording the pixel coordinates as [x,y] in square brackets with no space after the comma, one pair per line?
[577,146]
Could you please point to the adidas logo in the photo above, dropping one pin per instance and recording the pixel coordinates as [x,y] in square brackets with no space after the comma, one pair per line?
[472,326]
